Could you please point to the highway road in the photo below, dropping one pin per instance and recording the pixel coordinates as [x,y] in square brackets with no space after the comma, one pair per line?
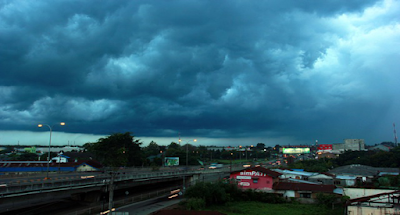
[149,206]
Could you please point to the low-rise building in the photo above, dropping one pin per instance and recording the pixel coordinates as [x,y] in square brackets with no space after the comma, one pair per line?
[386,202]
[60,158]
[257,178]
[322,178]
[287,173]
[302,190]
[349,144]
[345,180]
[380,147]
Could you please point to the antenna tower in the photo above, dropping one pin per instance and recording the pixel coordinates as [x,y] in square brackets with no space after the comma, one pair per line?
[395,135]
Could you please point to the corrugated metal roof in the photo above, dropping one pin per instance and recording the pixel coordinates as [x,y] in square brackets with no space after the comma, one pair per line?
[302,173]
[345,177]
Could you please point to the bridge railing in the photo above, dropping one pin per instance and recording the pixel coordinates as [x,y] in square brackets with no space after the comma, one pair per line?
[28,185]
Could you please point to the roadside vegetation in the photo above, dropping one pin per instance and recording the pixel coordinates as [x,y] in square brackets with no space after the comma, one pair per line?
[257,208]
[229,199]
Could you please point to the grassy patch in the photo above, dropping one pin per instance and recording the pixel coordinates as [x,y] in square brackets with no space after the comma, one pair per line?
[256,208]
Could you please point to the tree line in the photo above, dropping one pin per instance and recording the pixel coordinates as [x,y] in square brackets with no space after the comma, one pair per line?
[122,149]
[369,158]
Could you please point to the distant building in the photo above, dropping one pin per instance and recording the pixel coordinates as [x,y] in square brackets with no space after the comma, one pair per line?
[381,147]
[325,148]
[30,149]
[350,144]
[220,148]
[362,170]
[326,155]
[59,148]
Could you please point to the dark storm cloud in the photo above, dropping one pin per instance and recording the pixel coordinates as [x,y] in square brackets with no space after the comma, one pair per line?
[202,68]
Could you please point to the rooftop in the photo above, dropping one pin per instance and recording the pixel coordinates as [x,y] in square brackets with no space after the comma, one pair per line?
[303,187]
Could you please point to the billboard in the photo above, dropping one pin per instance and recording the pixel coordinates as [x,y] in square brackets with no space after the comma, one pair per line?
[171,161]
[296,150]
[325,147]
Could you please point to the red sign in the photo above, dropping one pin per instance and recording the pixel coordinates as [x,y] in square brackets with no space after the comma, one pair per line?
[250,179]
[324,147]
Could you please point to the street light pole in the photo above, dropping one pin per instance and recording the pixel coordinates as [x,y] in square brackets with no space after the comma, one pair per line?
[187,151]
[187,156]
[48,155]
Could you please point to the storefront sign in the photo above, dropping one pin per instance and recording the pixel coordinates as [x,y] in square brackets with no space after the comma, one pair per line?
[244,184]
[243,177]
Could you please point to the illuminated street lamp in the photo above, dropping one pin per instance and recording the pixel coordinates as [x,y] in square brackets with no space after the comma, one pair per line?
[187,149]
[48,156]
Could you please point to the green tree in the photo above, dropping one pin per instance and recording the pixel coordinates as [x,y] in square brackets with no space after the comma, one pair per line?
[116,150]
[203,152]
[327,199]
[27,156]
[260,146]
[175,150]
[226,154]
[152,149]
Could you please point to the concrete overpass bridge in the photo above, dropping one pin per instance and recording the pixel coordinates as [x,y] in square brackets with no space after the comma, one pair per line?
[28,192]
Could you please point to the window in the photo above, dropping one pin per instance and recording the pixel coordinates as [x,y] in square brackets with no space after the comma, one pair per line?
[305,195]
[337,182]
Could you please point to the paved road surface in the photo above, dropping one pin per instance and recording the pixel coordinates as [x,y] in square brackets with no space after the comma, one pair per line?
[149,206]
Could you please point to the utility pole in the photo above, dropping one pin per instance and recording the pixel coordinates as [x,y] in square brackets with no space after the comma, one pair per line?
[231,162]
[111,196]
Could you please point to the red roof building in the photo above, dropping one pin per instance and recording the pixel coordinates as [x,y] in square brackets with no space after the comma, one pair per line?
[255,178]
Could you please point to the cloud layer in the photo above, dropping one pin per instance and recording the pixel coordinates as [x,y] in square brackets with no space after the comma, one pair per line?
[293,70]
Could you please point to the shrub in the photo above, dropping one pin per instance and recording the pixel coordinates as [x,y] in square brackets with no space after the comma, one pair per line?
[195,204]
[326,199]
[344,199]
[251,195]
[222,193]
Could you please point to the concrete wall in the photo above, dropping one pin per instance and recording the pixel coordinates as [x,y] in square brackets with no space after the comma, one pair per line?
[361,192]
[306,200]
[350,144]
[354,144]
[289,193]
[360,210]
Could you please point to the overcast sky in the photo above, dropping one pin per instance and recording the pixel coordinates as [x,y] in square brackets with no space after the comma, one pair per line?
[227,72]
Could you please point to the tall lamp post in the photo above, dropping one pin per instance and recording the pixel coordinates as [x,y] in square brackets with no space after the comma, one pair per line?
[187,154]
[48,156]
[187,149]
